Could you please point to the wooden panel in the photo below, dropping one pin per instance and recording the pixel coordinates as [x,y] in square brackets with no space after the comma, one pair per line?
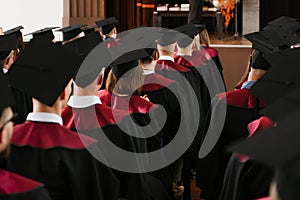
[80,8]
[73,5]
[94,8]
[88,8]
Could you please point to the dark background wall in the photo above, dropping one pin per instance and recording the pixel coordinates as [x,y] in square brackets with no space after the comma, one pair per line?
[271,9]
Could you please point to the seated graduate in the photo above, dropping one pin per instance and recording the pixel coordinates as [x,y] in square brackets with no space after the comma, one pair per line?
[242,108]
[72,32]
[108,30]
[13,186]
[20,46]
[44,35]
[205,51]
[8,54]
[286,162]
[44,150]
[86,113]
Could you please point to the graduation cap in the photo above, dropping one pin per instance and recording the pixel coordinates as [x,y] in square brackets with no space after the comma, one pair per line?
[16,31]
[88,30]
[45,33]
[285,105]
[168,37]
[270,40]
[7,43]
[107,24]
[257,61]
[281,78]
[127,61]
[200,27]
[5,92]
[189,30]
[286,23]
[278,147]
[72,31]
[43,70]
[82,47]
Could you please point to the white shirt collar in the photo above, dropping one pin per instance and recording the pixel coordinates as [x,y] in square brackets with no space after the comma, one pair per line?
[166,58]
[4,70]
[149,68]
[45,117]
[83,101]
[148,72]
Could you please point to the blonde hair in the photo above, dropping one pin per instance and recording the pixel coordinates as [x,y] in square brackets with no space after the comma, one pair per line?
[129,83]
[202,39]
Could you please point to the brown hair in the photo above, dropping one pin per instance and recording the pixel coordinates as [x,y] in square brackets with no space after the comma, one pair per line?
[128,84]
[202,39]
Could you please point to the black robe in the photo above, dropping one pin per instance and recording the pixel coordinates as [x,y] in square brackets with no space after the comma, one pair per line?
[241,109]
[133,186]
[245,179]
[58,157]
[16,187]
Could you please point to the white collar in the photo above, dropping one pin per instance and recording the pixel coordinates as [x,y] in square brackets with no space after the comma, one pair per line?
[4,70]
[166,58]
[45,117]
[148,72]
[83,101]
[149,68]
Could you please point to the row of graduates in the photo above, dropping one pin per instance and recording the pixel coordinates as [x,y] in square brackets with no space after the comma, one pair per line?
[61,143]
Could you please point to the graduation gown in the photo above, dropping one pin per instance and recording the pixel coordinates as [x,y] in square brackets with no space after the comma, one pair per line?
[16,187]
[242,108]
[56,156]
[23,106]
[133,186]
[214,55]
[245,179]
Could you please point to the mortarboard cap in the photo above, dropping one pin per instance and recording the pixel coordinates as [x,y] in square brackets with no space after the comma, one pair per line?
[88,30]
[71,32]
[7,43]
[107,24]
[82,47]
[281,78]
[284,23]
[270,40]
[5,92]
[200,27]
[189,30]
[45,33]
[16,31]
[168,37]
[278,147]
[127,62]
[258,61]
[43,70]
[285,105]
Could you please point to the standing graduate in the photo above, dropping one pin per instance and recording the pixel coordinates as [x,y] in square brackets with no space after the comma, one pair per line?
[8,54]
[13,186]
[44,150]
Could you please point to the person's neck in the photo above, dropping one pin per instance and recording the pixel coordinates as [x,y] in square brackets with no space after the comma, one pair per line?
[40,107]
[87,91]
[166,53]
[185,51]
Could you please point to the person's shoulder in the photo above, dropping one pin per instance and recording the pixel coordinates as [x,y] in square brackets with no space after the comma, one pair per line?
[49,135]
[238,98]
[154,82]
